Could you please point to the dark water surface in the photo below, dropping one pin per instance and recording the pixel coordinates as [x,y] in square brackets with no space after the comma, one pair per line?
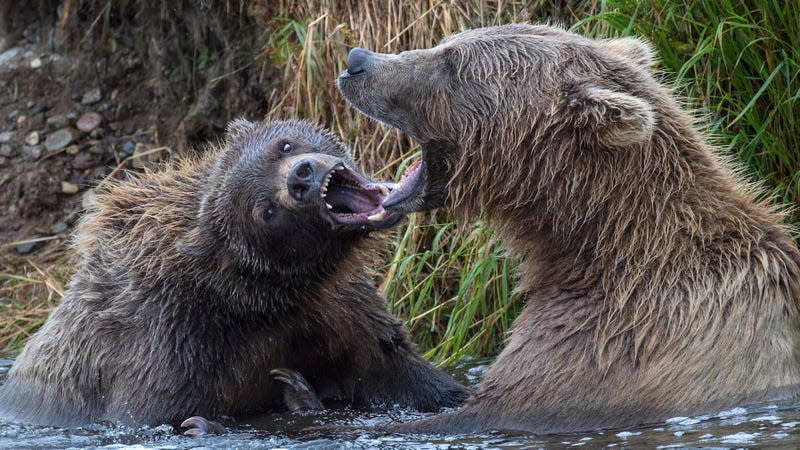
[774,426]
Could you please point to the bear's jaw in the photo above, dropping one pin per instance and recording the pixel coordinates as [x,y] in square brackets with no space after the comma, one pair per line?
[352,200]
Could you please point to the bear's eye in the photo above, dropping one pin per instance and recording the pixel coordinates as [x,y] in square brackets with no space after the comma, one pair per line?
[286,147]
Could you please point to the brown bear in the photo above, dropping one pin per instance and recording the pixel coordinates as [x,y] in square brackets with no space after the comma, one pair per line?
[195,282]
[657,282]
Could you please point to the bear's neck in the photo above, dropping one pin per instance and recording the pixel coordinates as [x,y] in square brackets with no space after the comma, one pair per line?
[580,217]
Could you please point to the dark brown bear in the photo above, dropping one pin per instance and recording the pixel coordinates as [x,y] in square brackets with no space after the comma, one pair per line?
[657,283]
[197,281]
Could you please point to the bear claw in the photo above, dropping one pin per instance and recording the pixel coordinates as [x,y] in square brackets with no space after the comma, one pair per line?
[199,426]
[298,395]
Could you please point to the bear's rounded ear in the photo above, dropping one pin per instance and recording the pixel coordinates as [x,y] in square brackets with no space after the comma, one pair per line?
[196,243]
[632,49]
[615,119]
[238,129]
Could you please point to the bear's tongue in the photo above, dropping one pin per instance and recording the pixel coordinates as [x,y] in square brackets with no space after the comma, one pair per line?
[406,186]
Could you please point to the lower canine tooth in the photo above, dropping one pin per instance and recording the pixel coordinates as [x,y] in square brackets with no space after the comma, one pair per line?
[329,206]
[377,216]
[384,189]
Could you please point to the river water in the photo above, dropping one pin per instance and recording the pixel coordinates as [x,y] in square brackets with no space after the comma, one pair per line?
[773,426]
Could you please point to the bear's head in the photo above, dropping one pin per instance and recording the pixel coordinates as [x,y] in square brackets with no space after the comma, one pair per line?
[489,105]
[283,196]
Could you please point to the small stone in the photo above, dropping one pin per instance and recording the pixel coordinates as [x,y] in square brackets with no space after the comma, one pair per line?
[69,188]
[97,133]
[59,139]
[72,149]
[57,121]
[30,104]
[32,151]
[114,94]
[97,149]
[128,148]
[28,244]
[21,119]
[3,161]
[89,121]
[6,137]
[32,138]
[72,117]
[13,114]
[91,97]
[88,199]
[36,63]
[6,150]
[83,161]
[58,227]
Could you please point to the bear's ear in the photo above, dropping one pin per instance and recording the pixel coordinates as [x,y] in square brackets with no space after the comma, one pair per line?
[196,243]
[238,129]
[615,119]
[632,49]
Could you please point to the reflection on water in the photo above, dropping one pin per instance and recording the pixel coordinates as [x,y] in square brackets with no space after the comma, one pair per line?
[775,426]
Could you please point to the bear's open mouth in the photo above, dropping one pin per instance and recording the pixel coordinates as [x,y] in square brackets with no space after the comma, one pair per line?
[352,199]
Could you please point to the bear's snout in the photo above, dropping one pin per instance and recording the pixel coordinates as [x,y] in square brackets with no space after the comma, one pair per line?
[300,180]
[358,60]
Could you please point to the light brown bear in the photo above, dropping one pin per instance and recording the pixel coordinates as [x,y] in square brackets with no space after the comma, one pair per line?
[195,282]
[658,283]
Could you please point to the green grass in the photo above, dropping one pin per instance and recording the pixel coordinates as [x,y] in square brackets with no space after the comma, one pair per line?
[736,62]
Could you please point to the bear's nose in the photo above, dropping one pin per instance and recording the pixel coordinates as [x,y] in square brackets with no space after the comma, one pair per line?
[358,60]
[300,180]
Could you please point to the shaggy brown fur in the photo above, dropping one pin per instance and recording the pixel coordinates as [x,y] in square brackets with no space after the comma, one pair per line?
[196,281]
[657,282]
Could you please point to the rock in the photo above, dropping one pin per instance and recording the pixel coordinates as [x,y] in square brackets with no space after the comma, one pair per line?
[58,227]
[30,104]
[6,150]
[69,188]
[13,114]
[36,63]
[129,129]
[32,138]
[83,161]
[88,199]
[89,121]
[28,244]
[59,139]
[97,133]
[3,161]
[6,137]
[114,94]
[32,151]
[72,149]
[97,149]
[8,55]
[57,121]
[128,148]
[72,117]
[91,97]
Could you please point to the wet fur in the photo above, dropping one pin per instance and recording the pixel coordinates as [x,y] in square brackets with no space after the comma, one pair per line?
[658,282]
[172,312]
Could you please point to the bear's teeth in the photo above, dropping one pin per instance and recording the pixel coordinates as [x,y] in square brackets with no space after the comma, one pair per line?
[384,189]
[329,206]
[377,216]
[339,167]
